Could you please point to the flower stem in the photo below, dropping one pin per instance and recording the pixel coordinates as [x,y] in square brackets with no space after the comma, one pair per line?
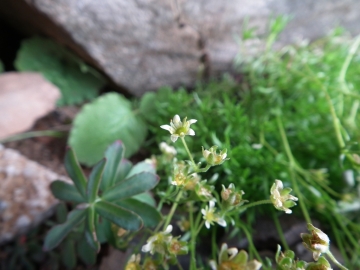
[292,166]
[188,152]
[254,204]
[173,208]
[331,256]
[192,240]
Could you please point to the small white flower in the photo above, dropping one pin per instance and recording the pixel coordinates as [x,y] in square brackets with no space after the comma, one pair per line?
[210,216]
[179,129]
[158,242]
[281,198]
[167,149]
[212,157]
[317,242]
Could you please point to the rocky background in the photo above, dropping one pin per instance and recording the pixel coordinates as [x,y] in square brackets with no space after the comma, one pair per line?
[141,45]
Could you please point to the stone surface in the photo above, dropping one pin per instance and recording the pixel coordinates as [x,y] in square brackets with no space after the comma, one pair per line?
[144,44]
[25,197]
[24,98]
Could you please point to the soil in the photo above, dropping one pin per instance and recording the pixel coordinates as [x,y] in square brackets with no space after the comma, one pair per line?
[48,151]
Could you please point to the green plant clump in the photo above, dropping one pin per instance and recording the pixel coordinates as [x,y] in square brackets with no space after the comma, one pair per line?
[291,114]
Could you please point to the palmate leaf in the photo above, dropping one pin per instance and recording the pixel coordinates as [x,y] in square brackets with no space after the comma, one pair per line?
[100,123]
[59,232]
[76,81]
[120,216]
[131,186]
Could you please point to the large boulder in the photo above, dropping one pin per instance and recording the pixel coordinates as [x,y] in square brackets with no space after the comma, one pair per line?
[142,44]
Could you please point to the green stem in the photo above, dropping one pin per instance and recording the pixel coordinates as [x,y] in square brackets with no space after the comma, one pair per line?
[188,152]
[331,256]
[246,206]
[280,231]
[172,210]
[338,240]
[31,134]
[251,244]
[192,240]
[292,165]
[346,64]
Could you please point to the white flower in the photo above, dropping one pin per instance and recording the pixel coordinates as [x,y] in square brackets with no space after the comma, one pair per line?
[281,198]
[317,242]
[158,242]
[210,216]
[212,157]
[167,149]
[179,129]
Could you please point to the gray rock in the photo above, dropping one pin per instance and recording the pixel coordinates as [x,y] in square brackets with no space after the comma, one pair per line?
[142,45]
[25,197]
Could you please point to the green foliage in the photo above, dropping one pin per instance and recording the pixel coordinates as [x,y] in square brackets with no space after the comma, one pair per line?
[106,119]
[1,67]
[100,205]
[277,121]
[76,81]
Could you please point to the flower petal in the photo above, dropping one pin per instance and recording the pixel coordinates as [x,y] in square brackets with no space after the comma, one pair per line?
[168,128]
[174,138]
[191,132]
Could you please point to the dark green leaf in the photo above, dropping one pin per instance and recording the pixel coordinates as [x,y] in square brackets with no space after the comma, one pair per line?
[86,253]
[136,184]
[100,123]
[145,197]
[61,212]
[59,232]
[66,192]
[94,181]
[103,230]
[123,218]
[90,232]
[75,172]
[68,255]
[148,214]
[114,155]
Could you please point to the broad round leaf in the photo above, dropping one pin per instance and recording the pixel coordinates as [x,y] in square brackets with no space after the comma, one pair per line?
[100,123]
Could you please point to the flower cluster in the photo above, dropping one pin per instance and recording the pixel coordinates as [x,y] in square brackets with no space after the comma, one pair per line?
[232,259]
[281,198]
